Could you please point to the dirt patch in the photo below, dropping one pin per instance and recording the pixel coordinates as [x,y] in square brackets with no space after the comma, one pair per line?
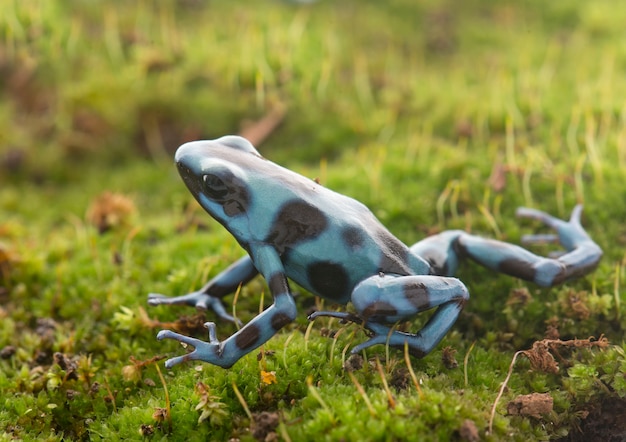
[534,405]
[264,424]
[606,422]
[468,431]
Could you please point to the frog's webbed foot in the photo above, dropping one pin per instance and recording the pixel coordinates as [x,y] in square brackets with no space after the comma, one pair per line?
[581,254]
[203,351]
[568,233]
[194,299]
[199,299]
[579,257]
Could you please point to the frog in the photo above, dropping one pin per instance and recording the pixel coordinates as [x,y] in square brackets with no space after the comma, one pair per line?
[296,230]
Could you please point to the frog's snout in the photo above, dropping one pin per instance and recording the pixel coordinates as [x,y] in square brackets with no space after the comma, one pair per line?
[186,153]
[188,175]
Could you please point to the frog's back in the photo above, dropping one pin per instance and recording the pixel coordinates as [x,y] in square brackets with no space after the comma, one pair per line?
[328,242]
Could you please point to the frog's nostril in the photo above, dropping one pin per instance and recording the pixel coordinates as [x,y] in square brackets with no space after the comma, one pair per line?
[184,171]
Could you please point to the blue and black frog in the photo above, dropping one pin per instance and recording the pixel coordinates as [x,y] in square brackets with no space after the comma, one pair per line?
[292,228]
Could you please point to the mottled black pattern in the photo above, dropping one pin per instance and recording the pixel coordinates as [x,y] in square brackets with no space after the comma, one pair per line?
[229,191]
[247,336]
[379,310]
[437,268]
[438,258]
[219,291]
[567,273]
[329,279]
[224,188]
[395,255]
[460,249]
[278,284]
[417,294]
[518,268]
[279,320]
[295,222]
[353,237]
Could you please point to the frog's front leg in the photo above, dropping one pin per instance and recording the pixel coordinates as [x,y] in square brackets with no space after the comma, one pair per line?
[256,332]
[386,299]
[209,296]
[581,254]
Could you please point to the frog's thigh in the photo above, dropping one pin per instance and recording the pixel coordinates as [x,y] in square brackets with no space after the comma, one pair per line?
[391,298]
[440,251]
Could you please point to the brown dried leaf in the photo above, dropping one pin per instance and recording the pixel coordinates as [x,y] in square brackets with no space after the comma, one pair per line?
[541,358]
[110,210]
[256,132]
[497,180]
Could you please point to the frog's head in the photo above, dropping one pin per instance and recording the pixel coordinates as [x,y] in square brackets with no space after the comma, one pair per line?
[215,173]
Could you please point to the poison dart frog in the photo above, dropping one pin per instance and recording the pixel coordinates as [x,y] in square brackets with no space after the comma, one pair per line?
[292,228]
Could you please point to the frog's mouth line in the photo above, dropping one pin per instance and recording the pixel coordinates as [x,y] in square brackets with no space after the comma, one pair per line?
[189,178]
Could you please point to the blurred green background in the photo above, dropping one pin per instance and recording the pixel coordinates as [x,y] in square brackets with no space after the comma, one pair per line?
[436,114]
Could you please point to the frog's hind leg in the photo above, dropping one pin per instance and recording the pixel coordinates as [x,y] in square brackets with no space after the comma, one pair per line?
[386,299]
[440,251]
[581,254]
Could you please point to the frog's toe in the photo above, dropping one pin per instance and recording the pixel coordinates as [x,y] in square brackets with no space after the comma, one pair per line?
[198,299]
[344,316]
[215,304]
[576,214]
[378,334]
[176,360]
[374,340]
[203,351]
[549,220]
[540,238]
[168,334]
[157,299]
[545,218]
[210,326]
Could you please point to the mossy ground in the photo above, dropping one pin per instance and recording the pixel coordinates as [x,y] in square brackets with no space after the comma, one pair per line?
[437,115]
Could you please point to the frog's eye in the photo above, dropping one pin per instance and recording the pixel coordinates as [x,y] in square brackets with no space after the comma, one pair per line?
[214,187]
